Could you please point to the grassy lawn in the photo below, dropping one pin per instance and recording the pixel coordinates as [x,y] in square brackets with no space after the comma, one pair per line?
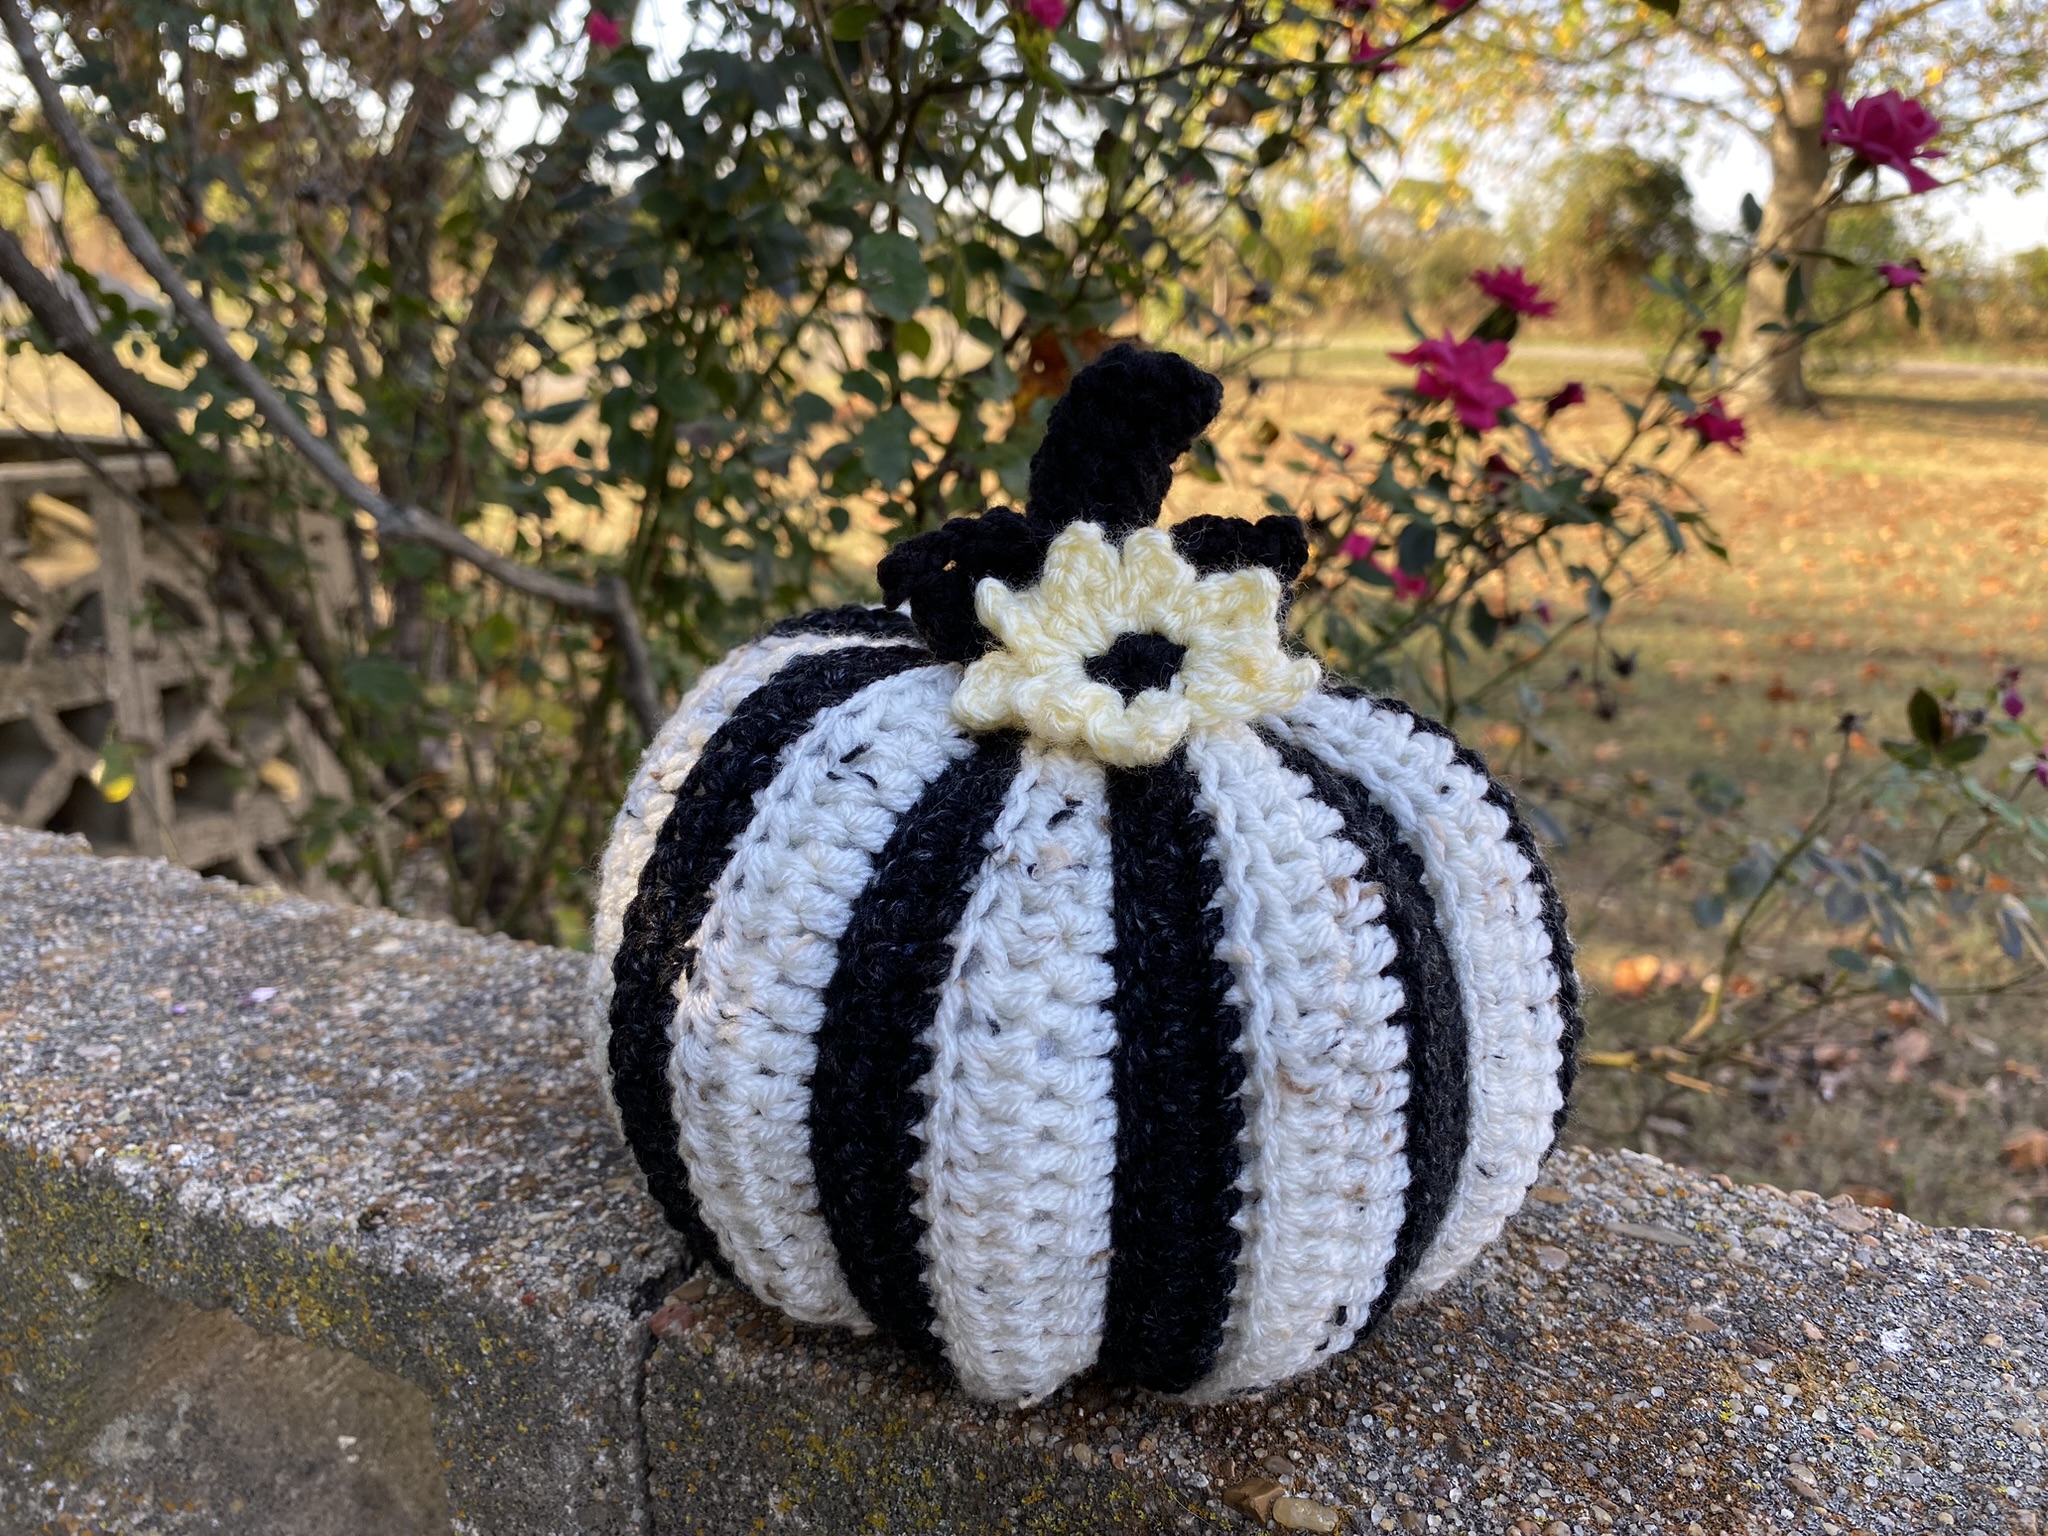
[1900,538]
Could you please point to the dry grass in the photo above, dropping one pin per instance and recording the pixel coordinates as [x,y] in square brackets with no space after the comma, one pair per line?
[1898,539]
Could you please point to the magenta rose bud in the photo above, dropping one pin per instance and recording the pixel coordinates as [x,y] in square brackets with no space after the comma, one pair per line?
[1901,275]
[1886,130]
[1712,424]
[1047,13]
[1374,59]
[1710,341]
[1572,394]
[603,31]
[1509,287]
[1461,372]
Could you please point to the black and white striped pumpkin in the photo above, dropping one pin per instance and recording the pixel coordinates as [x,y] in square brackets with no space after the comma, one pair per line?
[1160,1009]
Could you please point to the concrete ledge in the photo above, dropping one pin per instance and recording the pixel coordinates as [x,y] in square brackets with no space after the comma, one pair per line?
[310,1220]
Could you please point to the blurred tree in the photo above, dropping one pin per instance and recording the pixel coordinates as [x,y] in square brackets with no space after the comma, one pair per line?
[576,340]
[1655,71]
[1605,219]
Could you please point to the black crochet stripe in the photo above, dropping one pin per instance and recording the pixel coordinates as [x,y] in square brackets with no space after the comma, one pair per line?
[1176,1073]
[1550,905]
[1432,1014]
[865,1107]
[852,620]
[713,806]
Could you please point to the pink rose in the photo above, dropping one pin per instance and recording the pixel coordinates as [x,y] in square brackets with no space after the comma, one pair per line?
[1462,373]
[1572,394]
[1374,59]
[1047,13]
[603,31]
[1508,286]
[1886,130]
[1901,275]
[1713,424]
[1361,548]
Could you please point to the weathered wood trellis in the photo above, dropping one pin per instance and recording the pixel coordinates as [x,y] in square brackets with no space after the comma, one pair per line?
[109,633]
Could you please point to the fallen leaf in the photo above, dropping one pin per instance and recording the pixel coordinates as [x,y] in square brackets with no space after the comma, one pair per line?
[2025,1151]
[1255,1496]
[1634,976]
[1908,1051]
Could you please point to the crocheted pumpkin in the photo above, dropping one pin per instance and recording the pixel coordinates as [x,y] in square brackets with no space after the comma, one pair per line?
[1052,969]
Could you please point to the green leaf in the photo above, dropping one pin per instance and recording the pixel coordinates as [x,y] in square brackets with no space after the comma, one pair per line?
[884,446]
[1416,547]
[892,272]
[1963,749]
[1924,715]
[1709,910]
[379,683]
[559,414]
[1930,1001]
[113,775]
[494,639]
[851,22]
[1664,7]
[1483,623]
[914,339]
[1714,792]
[1752,210]
[1848,960]
[1750,874]
[1795,293]
[1499,324]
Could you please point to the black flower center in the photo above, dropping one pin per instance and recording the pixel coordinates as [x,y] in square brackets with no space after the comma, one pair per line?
[1137,662]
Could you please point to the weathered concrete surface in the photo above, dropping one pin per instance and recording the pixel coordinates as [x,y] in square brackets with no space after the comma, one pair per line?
[396,1158]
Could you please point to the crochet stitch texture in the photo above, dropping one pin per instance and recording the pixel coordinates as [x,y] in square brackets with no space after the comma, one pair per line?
[1052,970]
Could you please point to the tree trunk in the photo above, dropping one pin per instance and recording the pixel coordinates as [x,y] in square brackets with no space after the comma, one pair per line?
[1770,363]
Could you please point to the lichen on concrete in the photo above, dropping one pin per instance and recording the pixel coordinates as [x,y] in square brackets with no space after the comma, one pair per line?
[379,1137]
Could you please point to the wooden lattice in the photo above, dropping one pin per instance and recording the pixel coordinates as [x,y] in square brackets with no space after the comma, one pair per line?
[108,632]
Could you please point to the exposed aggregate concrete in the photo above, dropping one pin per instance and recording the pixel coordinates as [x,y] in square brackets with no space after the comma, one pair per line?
[379,1136]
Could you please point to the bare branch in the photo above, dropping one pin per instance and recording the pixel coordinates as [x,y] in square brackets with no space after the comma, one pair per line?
[393,519]
[53,309]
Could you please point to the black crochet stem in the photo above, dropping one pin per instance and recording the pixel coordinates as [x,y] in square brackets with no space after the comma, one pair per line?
[713,806]
[1176,1072]
[866,1105]
[1438,1113]
[1111,441]
[1550,905]
[1107,458]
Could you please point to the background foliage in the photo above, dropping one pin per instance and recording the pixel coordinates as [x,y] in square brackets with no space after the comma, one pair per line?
[716,328]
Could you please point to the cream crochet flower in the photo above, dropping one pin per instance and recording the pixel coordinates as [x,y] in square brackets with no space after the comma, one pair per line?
[1090,594]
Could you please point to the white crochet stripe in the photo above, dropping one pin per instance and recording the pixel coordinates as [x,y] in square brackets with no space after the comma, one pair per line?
[1325,1079]
[746,1030]
[1491,920]
[652,794]
[1020,1139]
